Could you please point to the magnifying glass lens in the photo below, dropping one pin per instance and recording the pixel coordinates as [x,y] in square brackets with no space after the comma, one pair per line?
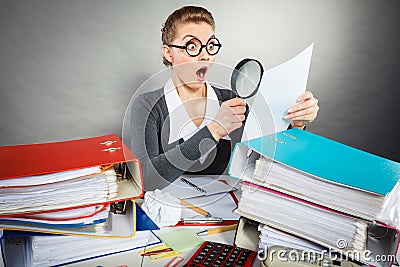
[246,78]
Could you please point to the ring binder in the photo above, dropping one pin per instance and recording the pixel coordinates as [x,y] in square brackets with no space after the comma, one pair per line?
[194,186]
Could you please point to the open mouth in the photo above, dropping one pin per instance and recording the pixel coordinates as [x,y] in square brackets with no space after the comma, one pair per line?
[201,73]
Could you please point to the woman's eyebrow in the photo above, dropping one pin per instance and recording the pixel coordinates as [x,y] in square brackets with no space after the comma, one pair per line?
[188,35]
[192,36]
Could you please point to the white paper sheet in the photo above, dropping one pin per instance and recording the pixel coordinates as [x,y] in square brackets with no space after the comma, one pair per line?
[279,89]
[218,205]
[208,186]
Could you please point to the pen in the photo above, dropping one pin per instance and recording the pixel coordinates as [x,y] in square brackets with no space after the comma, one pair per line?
[218,230]
[207,220]
[194,208]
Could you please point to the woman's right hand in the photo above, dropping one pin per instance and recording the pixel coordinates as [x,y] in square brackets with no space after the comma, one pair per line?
[229,118]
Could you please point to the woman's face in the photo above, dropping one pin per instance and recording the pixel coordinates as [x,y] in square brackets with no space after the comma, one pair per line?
[190,70]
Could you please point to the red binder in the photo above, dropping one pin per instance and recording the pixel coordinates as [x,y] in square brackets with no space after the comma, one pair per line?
[36,159]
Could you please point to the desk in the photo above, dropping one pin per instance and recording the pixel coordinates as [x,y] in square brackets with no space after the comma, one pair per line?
[132,258]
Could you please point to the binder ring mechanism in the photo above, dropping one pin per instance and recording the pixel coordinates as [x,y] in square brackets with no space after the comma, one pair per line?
[109,143]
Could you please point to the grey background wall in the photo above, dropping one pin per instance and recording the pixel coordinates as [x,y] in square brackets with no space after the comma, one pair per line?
[69,68]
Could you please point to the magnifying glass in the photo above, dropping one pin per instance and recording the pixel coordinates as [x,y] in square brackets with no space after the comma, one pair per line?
[246,77]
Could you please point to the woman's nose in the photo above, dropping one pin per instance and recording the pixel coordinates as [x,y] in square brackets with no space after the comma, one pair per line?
[204,56]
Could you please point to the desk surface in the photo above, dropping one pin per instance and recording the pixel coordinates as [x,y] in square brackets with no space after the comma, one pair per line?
[132,258]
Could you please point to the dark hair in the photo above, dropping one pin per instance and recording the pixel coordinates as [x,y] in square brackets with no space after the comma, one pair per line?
[183,15]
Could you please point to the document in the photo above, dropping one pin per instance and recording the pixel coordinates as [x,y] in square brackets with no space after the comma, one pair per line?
[55,250]
[218,205]
[184,188]
[306,220]
[279,89]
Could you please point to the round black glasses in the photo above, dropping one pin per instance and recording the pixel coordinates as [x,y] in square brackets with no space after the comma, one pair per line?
[194,46]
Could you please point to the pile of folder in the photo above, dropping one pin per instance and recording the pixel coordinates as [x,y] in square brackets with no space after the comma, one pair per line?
[81,188]
[338,197]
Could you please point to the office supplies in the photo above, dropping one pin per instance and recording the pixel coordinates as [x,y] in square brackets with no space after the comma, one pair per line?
[159,252]
[246,235]
[174,262]
[218,254]
[181,240]
[195,208]
[285,212]
[165,255]
[199,186]
[217,230]
[157,247]
[308,166]
[246,77]
[343,233]
[270,236]
[155,252]
[222,206]
[194,185]
[116,225]
[56,250]
[40,165]
[162,208]
[280,256]
[202,221]
[69,249]
[96,217]
[276,94]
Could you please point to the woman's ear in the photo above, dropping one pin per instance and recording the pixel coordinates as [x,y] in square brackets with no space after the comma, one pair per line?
[166,50]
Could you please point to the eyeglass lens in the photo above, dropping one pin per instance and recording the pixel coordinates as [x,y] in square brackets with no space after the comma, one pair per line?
[194,46]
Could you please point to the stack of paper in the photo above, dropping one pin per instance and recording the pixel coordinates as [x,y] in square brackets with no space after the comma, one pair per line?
[47,192]
[320,190]
[81,188]
[270,236]
[324,172]
[56,250]
[33,249]
[68,218]
[115,225]
[70,184]
[320,225]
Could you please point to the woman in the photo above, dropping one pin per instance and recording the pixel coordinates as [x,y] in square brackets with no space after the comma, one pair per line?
[188,126]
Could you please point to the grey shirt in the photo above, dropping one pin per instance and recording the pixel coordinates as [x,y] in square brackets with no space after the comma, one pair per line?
[163,162]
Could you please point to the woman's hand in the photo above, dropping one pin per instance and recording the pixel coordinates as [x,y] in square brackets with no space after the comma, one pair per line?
[304,112]
[229,118]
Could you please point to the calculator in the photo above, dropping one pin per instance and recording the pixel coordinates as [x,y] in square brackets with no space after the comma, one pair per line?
[216,254]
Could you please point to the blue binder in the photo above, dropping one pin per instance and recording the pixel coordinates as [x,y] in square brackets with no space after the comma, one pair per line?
[327,159]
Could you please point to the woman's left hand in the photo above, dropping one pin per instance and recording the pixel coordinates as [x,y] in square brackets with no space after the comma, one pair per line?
[304,112]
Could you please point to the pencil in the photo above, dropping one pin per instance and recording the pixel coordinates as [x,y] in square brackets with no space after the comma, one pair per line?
[218,230]
[195,208]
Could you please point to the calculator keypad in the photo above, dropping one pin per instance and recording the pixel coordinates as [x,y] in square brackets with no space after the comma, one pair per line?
[216,254]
